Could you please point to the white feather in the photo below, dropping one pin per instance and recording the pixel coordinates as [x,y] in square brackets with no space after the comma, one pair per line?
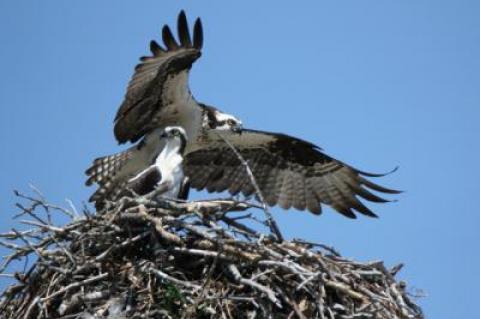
[169,162]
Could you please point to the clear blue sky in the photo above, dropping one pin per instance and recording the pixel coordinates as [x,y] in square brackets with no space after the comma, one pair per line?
[375,83]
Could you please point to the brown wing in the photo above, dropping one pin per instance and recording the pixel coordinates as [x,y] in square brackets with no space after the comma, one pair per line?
[111,173]
[160,80]
[289,172]
[104,172]
[104,168]
[112,187]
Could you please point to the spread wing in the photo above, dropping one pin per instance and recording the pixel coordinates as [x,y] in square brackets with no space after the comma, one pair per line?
[104,168]
[289,172]
[159,80]
[113,187]
[112,173]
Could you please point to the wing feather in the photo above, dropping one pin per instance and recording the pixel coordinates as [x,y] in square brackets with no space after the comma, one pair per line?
[107,167]
[290,173]
[146,181]
[284,195]
[350,198]
[159,80]
[312,202]
[237,183]
[198,34]
[155,48]
[299,192]
[169,39]
[357,188]
[269,184]
[377,187]
[183,33]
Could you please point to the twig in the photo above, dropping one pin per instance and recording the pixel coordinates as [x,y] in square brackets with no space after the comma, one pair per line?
[183,259]
[75,285]
[238,277]
[165,276]
[270,220]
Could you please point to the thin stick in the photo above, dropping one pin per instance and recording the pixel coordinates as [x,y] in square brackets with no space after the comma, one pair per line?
[272,224]
[210,261]
[174,280]
[75,285]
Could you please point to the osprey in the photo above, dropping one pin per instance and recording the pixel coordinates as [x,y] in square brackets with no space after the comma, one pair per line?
[158,96]
[289,172]
[165,176]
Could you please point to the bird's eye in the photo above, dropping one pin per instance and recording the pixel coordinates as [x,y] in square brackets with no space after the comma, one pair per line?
[231,122]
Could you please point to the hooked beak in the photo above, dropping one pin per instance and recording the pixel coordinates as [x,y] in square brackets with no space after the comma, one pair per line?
[238,129]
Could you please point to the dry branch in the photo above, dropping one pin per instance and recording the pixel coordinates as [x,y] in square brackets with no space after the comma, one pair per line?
[184,260]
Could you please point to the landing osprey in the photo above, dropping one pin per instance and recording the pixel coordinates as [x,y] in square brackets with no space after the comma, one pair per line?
[165,177]
[290,172]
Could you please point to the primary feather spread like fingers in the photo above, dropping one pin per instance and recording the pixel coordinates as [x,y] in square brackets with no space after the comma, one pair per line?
[159,80]
[198,34]
[183,33]
[289,172]
[168,38]
[156,49]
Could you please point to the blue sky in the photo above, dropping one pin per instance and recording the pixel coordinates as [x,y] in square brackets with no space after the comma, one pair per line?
[375,83]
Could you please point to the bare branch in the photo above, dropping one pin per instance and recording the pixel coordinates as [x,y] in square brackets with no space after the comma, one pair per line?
[270,220]
[180,260]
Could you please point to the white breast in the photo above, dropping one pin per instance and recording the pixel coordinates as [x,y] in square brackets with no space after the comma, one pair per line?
[172,173]
[169,162]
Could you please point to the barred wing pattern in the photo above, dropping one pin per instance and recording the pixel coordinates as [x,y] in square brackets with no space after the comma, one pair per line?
[290,172]
[105,172]
[159,80]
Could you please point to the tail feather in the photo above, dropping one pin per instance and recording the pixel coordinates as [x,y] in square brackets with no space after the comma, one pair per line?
[105,168]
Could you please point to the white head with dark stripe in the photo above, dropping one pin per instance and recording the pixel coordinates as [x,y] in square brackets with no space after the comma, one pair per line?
[216,120]
[175,139]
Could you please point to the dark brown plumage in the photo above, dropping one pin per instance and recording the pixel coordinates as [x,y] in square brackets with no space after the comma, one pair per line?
[290,172]
[147,182]
[104,168]
[155,80]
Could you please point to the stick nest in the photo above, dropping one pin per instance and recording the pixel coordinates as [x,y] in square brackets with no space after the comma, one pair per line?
[184,260]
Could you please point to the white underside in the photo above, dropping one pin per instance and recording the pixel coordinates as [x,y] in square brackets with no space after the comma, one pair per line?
[169,162]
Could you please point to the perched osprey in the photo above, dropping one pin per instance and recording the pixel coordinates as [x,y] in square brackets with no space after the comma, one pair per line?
[290,172]
[158,96]
[165,176]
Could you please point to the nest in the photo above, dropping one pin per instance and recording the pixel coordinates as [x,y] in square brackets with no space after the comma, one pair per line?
[204,259]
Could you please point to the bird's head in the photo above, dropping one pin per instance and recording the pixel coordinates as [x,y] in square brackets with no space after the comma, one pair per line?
[227,122]
[217,120]
[173,132]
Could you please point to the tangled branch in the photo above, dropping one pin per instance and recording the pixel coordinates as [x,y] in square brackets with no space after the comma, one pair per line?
[184,260]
